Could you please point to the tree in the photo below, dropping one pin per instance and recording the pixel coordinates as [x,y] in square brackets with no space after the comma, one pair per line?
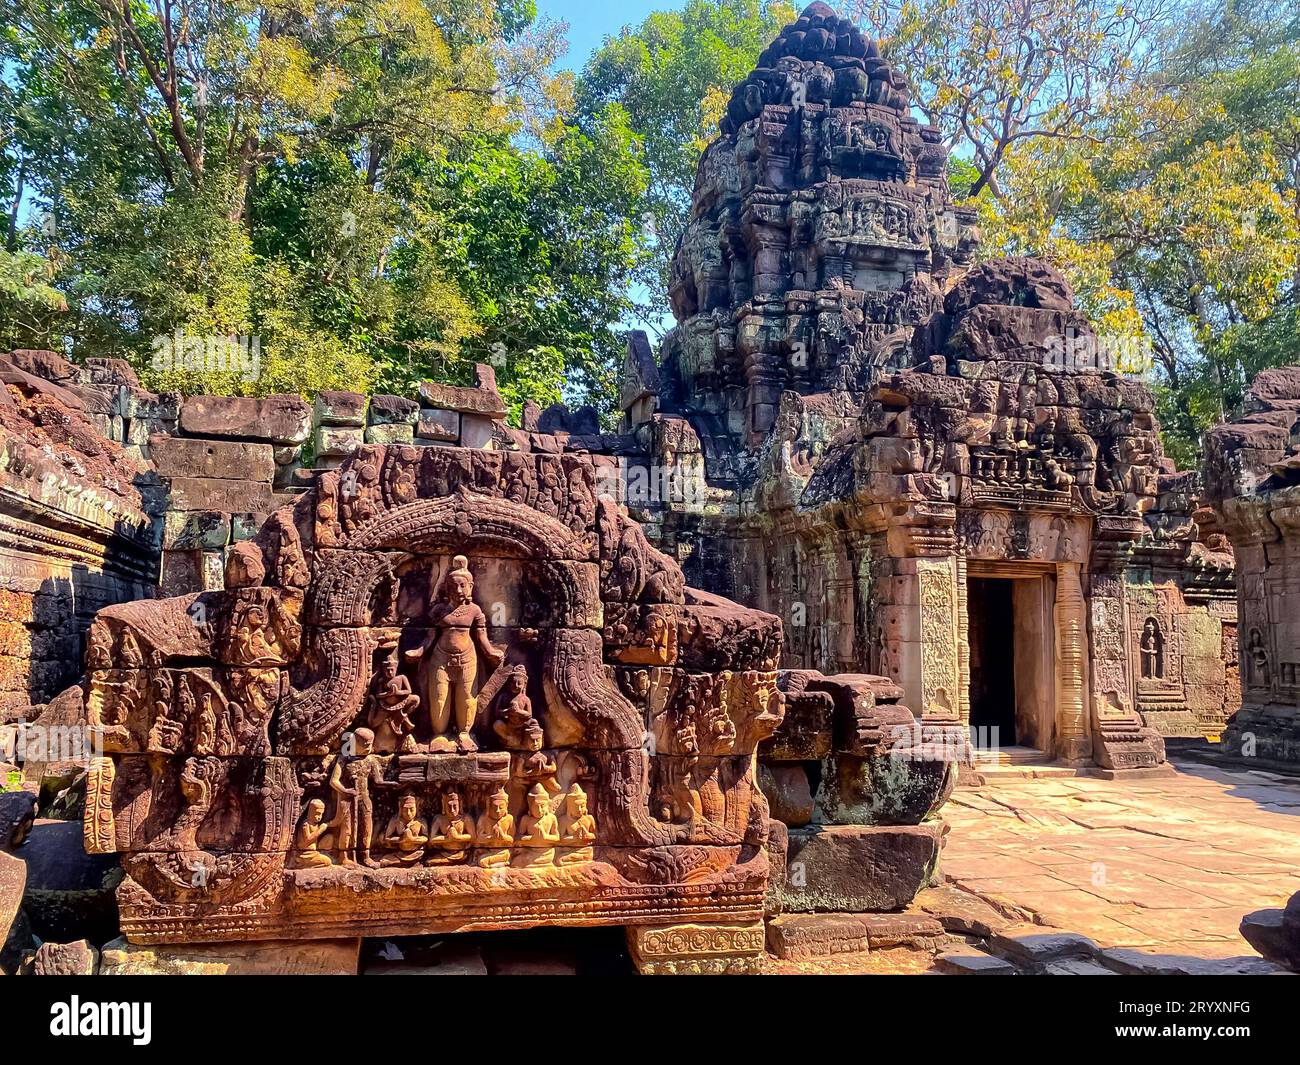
[996,73]
[1175,216]
[295,175]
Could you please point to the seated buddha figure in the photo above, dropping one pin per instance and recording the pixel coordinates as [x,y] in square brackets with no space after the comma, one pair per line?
[405,836]
[496,832]
[307,840]
[450,833]
[577,828]
[539,832]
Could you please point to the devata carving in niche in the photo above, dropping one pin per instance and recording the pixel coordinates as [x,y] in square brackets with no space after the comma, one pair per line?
[450,661]
[1153,651]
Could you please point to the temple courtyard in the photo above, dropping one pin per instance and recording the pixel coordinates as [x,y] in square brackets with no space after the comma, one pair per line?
[1168,865]
[1156,873]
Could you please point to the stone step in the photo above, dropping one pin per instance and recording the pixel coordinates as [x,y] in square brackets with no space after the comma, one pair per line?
[971,961]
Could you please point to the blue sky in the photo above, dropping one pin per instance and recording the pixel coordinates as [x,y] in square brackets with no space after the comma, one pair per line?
[590,23]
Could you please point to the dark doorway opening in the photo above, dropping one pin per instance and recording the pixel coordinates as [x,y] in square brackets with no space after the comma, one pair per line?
[991,632]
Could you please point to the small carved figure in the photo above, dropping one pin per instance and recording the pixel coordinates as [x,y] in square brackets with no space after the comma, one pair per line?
[578,828]
[539,832]
[351,780]
[516,710]
[450,831]
[405,836]
[391,706]
[535,765]
[129,655]
[450,660]
[496,831]
[99,648]
[245,566]
[1152,650]
[308,839]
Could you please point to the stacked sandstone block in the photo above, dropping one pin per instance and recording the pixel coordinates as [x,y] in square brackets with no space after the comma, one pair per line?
[226,470]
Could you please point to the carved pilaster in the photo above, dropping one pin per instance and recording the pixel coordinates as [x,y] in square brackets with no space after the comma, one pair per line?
[1072,744]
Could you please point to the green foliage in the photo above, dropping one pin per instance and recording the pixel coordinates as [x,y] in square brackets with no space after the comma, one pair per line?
[1173,208]
[673,75]
[371,192]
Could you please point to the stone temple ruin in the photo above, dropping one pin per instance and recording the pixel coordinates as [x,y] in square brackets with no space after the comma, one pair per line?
[924,467]
[870,498]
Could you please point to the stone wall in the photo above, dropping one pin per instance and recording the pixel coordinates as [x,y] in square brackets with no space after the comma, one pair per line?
[1252,470]
[78,517]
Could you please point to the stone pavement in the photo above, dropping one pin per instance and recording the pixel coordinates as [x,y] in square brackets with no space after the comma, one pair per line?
[1167,865]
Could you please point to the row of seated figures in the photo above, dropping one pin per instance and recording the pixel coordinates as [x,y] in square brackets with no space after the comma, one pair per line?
[556,830]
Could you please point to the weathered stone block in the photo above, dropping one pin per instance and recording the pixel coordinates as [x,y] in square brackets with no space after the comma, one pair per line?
[440,425]
[804,936]
[182,457]
[218,493]
[476,430]
[788,795]
[65,959]
[390,433]
[389,410]
[338,442]
[318,957]
[858,868]
[282,419]
[195,530]
[340,408]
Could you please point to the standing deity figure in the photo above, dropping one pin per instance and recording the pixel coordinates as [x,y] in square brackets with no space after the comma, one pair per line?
[1152,666]
[353,776]
[450,660]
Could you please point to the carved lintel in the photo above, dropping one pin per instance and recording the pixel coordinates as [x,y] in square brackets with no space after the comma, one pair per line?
[697,949]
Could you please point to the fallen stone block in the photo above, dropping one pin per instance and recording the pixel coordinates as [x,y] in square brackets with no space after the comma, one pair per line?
[483,398]
[1276,933]
[961,912]
[917,930]
[1033,944]
[17,813]
[13,880]
[70,894]
[64,959]
[1076,967]
[1132,961]
[313,957]
[803,936]
[858,868]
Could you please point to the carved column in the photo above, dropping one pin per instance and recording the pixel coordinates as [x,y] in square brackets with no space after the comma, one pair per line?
[963,644]
[1073,743]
